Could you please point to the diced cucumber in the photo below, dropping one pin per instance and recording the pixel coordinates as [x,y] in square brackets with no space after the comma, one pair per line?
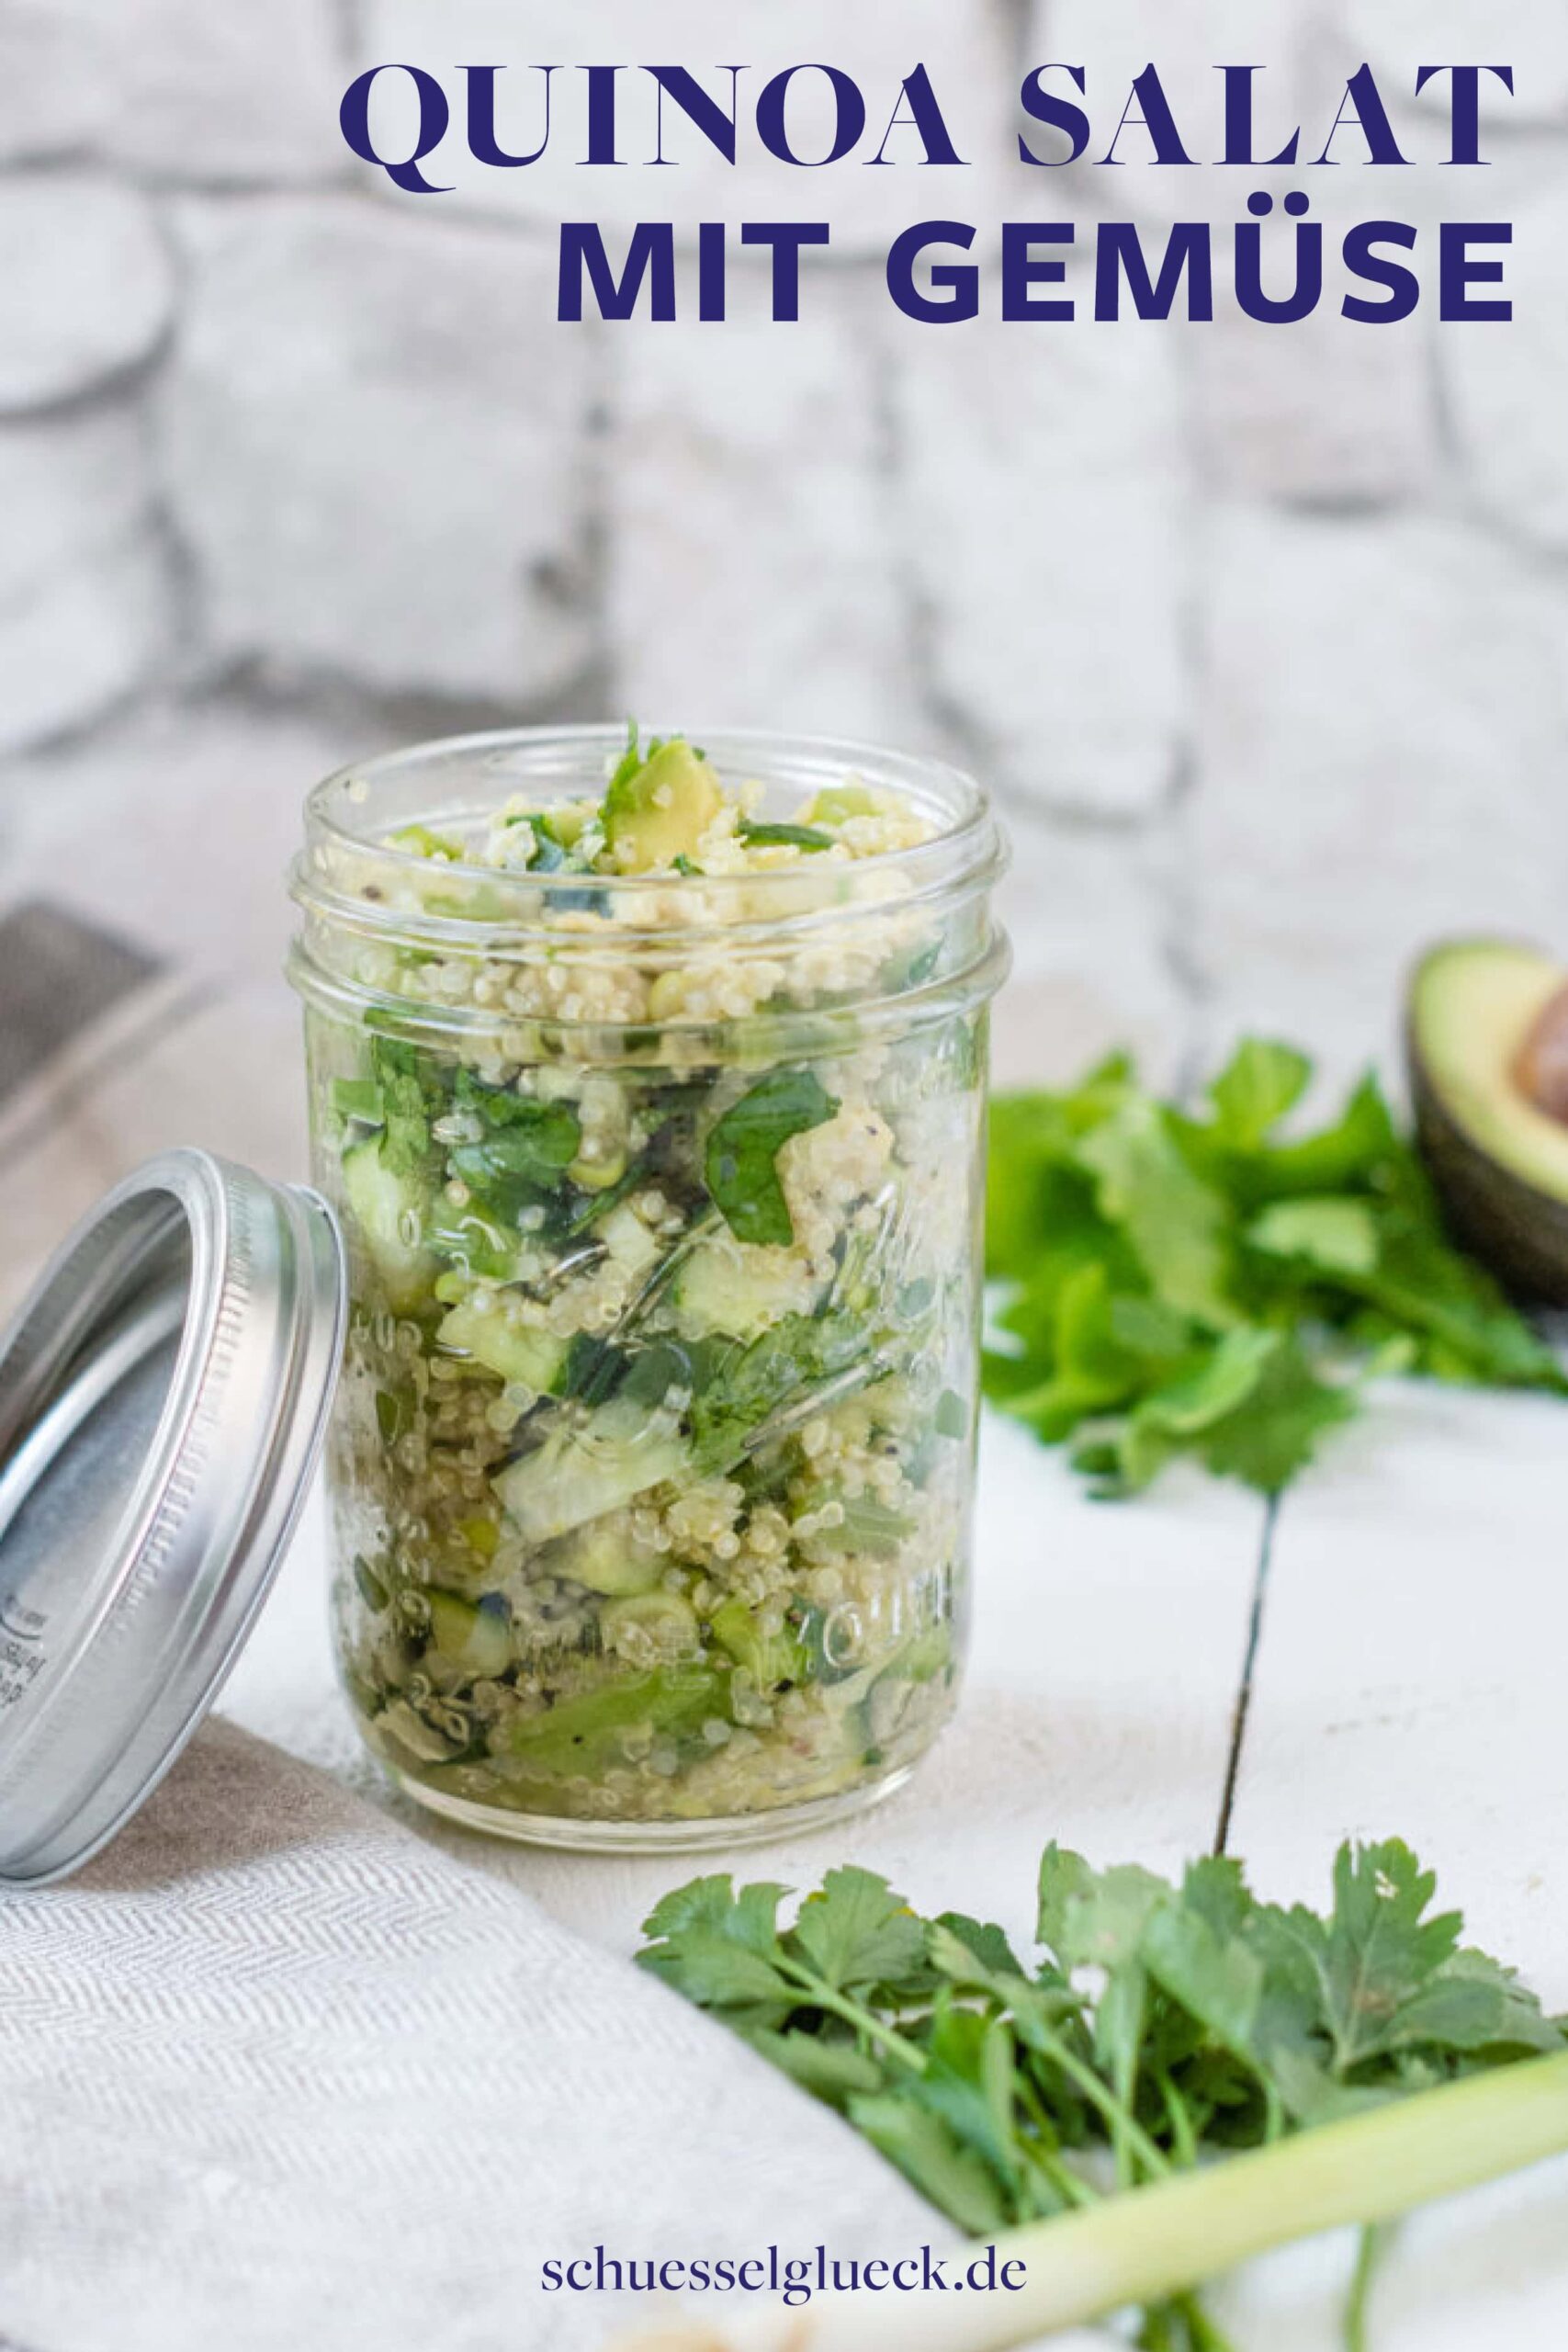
[479,1639]
[407,1730]
[665,1617]
[661,810]
[603,1557]
[868,1524]
[389,1213]
[628,1241]
[954,1418]
[589,1468]
[922,1658]
[519,1353]
[739,1290]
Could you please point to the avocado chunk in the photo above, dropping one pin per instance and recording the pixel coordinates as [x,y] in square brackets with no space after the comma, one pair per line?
[837,803]
[1487,1043]
[476,1636]
[660,811]
[667,1619]
[739,1290]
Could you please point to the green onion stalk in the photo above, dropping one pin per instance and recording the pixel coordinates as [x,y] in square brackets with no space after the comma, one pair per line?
[1157,2241]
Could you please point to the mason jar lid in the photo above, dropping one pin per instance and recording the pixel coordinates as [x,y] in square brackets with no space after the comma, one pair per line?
[163,1395]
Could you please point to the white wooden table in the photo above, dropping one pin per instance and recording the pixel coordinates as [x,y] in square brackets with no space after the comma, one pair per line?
[1386,1654]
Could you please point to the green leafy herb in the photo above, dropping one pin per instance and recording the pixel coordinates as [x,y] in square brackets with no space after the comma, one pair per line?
[358,1098]
[400,1076]
[743,1149]
[418,840]
[634,759]
[746,1390]
[1164,2023]
[761,836]
[1205,1286]
[1260,1083]
[525,1149]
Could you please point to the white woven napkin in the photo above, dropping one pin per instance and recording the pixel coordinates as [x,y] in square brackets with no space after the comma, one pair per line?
[276,2073]
[281,2074]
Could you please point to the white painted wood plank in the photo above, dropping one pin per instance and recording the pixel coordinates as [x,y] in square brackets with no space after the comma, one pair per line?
[1410,1681]
[1410,1678]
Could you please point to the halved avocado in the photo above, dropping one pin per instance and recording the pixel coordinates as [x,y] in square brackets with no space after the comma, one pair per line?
[1487,1041]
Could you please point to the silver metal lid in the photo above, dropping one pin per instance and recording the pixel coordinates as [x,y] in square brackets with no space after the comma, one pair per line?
[163,1395]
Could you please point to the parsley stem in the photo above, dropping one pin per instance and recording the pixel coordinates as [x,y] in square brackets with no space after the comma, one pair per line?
[1045,2153]
[1119,2122]
[1046,2150]
[822,1996]
[1202,2335]
[1373,2246]
[1184,2140]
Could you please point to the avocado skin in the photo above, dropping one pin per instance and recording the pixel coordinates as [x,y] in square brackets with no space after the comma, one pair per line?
[1515,1228]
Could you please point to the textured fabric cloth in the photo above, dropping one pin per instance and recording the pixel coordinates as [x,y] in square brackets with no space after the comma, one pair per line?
[276,2073]
[282,2072]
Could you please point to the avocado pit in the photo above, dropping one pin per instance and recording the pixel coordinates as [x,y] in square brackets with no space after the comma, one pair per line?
[1487,1045]
[1540,1071]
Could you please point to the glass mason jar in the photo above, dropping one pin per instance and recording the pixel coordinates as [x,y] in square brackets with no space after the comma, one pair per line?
[651,1468]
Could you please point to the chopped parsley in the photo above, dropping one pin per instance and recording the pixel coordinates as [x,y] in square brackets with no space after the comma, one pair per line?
[740,1162]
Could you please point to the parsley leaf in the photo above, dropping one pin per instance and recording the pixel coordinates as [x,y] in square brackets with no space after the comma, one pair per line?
[747,1389]
[1208,1286]
[525,1149]
[398,1072]
[1166,2023]
[858,1933]
[1174,1221]
[1334,1235]
[743,1149]
[1272,1434]
[1259,1084]
[358,1098]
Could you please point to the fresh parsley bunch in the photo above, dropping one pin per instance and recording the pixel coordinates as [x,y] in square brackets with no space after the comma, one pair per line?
[1201,1284]
[1165,2024]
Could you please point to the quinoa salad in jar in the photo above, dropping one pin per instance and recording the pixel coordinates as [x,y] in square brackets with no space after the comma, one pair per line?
[647,1081]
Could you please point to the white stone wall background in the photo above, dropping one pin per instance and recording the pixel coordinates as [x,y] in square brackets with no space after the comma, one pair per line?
[1259,634]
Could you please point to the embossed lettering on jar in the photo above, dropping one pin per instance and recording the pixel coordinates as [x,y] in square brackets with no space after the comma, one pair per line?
[648,1082]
